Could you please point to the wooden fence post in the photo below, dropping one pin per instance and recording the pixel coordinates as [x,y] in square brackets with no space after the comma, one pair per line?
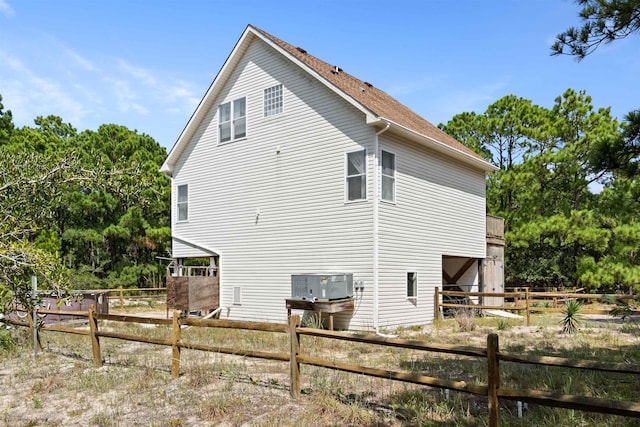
[436,305]
[121,298]
[527,305]
[493,383]
[294,366]
[95,340]
[175,345]
[33,329]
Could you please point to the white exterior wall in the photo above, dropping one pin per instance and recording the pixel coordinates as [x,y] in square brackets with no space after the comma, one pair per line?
[439,210]
[290,169]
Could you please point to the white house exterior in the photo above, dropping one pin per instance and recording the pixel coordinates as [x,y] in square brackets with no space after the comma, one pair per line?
[290,165]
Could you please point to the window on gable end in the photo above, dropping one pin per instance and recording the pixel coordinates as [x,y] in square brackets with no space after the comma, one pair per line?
[356,175]
[232,120]
[183,202]
[273,100]
[388,177]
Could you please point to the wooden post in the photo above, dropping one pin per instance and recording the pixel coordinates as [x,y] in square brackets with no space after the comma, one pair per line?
[528,307]
[294,366]
[121,298]
[33,329]
[175,346]
[95,340]
[493,383]
[436,305]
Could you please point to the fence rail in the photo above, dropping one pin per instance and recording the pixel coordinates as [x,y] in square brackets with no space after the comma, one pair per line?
[523,301]
[296,357]
[121,292]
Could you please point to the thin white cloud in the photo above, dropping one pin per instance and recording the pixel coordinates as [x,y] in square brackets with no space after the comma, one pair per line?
[5,9]
[79,60]
[138,73]
[127,98]
[163,90]
[31,95]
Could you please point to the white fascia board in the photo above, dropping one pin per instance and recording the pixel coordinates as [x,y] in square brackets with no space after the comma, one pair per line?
[435,144]
[206,251]
[207,100]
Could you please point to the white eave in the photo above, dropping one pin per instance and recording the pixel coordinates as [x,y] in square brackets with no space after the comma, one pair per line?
[434,144]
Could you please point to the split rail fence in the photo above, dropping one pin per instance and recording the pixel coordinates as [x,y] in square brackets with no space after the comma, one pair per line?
[521,301]
[297,357]
[132,293]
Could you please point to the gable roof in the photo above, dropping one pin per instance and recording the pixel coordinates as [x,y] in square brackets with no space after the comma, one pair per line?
[380,108]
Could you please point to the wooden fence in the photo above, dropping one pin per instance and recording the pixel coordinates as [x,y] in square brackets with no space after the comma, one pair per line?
[296,357]
[132,293]
[522,300]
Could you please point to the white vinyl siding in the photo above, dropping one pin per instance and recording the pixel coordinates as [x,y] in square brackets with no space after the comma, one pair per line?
[292,170]
[388,176]
[182,203]
[356,179]
[440,210]
[232,120]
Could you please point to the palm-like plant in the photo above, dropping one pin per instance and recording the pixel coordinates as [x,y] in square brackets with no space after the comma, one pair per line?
[570,320]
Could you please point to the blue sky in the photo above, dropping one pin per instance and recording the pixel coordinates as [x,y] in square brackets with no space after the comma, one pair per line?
[146,64]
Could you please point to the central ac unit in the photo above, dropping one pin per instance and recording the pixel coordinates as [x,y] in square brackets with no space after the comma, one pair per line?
[321,286]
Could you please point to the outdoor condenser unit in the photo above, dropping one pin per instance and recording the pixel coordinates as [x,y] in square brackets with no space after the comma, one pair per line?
[322,286]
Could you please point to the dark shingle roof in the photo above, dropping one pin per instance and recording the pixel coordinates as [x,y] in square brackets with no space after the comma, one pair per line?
[373,99]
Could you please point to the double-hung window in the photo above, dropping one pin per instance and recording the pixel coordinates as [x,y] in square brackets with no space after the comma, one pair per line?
[356,175]
[388,177]
[183,202]
[273,100]
[232,120]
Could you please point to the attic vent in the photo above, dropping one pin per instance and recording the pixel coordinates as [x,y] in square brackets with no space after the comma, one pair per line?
[301,50]
[368,84]
[336,70]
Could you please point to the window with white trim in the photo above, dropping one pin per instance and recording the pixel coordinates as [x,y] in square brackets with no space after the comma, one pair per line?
[232,120]
[388,177]
[273,100]
[237,295]
[356,180]
[183,202]
[412,284]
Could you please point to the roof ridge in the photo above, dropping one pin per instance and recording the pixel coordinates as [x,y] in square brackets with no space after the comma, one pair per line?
[370,97]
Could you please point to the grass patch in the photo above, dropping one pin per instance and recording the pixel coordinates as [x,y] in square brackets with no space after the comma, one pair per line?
[135,383]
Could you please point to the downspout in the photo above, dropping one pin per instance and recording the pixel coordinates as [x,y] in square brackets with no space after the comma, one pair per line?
[376,231]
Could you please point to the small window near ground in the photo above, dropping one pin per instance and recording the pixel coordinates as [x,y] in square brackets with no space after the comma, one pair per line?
[357,175]
[388,177]
[273,100]
[232,120]
[412,284]
[183,202]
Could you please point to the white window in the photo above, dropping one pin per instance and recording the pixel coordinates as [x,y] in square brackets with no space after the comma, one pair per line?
[232,120]
[357,175]
[273,100]
[412,284]
[237,295]
[388,177]
[183,202]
